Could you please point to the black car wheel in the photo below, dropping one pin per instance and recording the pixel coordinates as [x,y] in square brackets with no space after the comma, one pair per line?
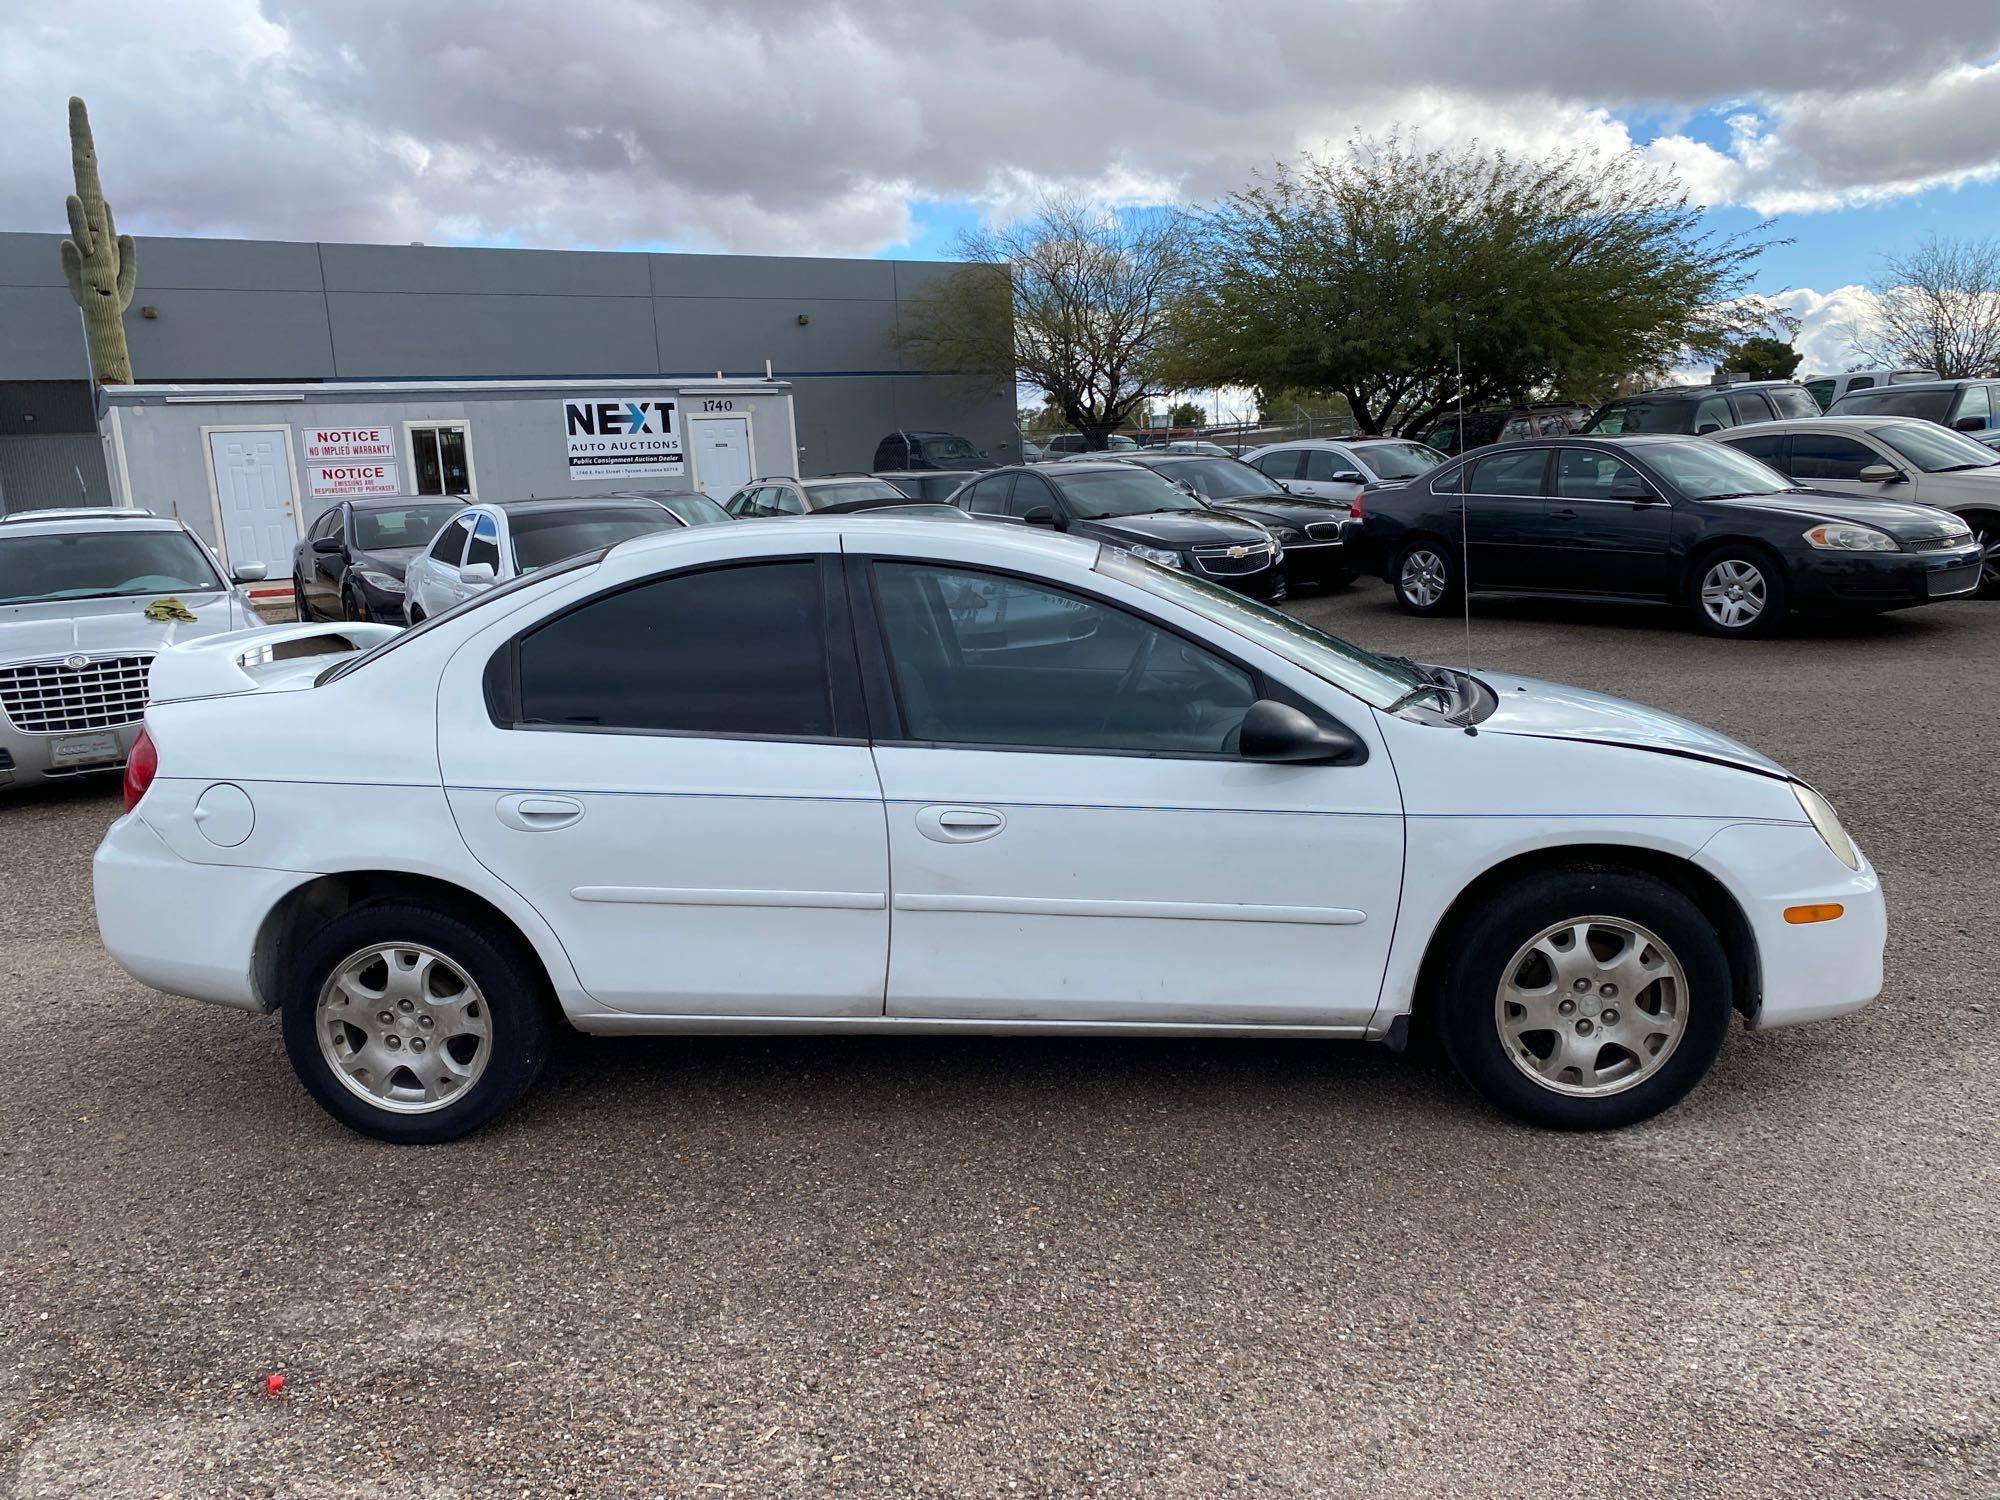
[1986,534]
[1738,591]
[299,611]
[353,606]
[1425,578]
[1584,999]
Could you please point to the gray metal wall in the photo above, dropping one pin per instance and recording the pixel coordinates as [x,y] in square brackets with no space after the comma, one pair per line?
[42,471]
[267,310]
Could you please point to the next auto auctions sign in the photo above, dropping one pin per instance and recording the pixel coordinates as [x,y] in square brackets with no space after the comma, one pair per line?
[623,438]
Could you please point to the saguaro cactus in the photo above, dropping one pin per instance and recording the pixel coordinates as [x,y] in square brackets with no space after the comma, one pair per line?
[100,263]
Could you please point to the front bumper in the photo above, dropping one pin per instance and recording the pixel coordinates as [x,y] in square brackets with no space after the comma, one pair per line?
[1884,580]
[379,604]
[1308,563]
[1812,971]
[28,759]
[186,928]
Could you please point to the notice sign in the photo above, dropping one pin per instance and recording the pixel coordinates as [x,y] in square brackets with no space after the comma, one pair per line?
[623,439]
[342,480]
[326,443]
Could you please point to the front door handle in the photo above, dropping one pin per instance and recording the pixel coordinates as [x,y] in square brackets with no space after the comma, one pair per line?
[959,825]
[1562,515]
[536,813]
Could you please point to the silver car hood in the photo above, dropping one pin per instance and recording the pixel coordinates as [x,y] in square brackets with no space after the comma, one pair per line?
[1550,710]
[95,627]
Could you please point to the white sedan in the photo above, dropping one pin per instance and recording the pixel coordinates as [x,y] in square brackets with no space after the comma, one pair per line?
[840,775]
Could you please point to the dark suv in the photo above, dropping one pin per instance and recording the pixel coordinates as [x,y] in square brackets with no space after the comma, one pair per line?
[1507,424]
[1702,409]
[902,450]
[1967,405]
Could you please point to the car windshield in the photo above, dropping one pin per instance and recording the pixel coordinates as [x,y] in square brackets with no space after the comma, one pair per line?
[1709,471]
[102,565]
[696,510]
[401,525]
[1397,460]
[1097,495]
[950,450]
[1931,405]
[1375,681]
[1936,450]
[1644,416]
[1222,478]
[860,489]
[547,537]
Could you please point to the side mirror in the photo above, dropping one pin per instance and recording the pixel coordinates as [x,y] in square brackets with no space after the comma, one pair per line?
[1041,515]
[1880,474]
[1277,733]
[1972,424]
[1706,428]
[250,572]
[1631,489]
[327,544]
[1349,476]
[476,573]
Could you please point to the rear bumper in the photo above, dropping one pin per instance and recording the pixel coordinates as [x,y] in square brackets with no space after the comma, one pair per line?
[185,928]
[1883,580]
[26,759]
[1813,971]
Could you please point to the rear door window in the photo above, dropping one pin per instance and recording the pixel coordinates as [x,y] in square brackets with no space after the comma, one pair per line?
[1773,448]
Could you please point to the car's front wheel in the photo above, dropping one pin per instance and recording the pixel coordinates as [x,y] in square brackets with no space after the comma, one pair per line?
[1585,999]
[1425,578]
[1986,533]
[299,602]
[1738,591]
[409,1025]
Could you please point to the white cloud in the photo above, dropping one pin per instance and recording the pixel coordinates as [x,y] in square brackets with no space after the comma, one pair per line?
[813,125]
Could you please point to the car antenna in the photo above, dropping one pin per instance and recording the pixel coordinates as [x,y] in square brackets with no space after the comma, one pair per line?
[1464,551]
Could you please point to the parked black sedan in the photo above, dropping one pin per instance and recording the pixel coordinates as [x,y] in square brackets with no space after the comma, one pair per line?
[1676,520]
[1310,530]
[1124,506]
[349,564]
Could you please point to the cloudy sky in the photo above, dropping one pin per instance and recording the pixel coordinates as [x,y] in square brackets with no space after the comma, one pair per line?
[787,127]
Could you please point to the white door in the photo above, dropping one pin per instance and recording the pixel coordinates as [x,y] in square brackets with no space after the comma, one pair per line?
[257,500]
[721,454]
[1072,836]
[683,819]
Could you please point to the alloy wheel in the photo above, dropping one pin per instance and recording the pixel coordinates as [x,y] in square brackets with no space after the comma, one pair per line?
[403,1027]
[1423,578]
[1734,593]
[1591,1006]
[1987,540]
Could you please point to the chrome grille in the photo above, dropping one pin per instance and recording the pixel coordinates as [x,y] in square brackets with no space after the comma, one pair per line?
[1323,531]
[1217,562]
[1937,543]
[52,697]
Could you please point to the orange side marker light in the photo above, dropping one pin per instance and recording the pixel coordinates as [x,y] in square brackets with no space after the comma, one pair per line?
[1825,912]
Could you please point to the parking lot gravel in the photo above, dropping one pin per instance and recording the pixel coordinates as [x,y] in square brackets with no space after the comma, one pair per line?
[968,1267]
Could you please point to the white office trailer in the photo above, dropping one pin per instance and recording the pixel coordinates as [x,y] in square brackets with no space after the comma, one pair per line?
[250,467]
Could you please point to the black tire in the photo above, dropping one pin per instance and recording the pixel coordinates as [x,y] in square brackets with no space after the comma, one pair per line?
[299,611]
[1986,532]
[1769,577]
[414,615]
[1486,943]
[351,607]
[511,996]
[1425,578]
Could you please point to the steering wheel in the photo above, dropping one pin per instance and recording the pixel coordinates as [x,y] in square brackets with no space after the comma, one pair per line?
[1129,679]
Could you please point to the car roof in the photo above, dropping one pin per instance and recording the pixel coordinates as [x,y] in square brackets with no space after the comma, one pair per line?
[568,502]
[1852,422]
[52,522]
[1695,392]
[389,502]
[1900,386]
[858,474]
[1024,542]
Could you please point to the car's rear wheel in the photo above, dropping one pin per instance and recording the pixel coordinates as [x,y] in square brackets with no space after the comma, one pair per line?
[1585,999]
[1738,591]
[1986,533]
[411,1026]
[1425,578]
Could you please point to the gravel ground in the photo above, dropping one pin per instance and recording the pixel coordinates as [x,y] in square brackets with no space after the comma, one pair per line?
[714,1267]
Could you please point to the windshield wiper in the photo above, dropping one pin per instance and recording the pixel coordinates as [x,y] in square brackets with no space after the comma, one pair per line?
[1443,693]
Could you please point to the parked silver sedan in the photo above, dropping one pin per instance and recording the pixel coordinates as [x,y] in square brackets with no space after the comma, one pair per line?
[87,598]
[1889,458]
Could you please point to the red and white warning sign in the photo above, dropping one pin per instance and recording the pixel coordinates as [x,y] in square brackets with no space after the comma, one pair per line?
[338,480]
[324,444]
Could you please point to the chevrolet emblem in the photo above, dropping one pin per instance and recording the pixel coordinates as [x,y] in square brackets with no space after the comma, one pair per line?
[1239,551]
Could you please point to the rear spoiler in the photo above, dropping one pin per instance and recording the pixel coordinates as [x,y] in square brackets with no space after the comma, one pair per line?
[268,659]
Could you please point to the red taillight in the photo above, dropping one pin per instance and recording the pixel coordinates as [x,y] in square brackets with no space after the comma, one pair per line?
[1354,507]
[140,768]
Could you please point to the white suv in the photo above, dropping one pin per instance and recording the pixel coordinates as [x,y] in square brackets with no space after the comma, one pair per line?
[87,597]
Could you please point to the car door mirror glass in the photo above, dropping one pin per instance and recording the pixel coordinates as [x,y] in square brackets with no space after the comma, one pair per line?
[478,572]
[1276,733]
[1879,474]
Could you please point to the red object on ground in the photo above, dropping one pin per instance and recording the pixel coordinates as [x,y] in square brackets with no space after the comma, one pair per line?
[274,1386]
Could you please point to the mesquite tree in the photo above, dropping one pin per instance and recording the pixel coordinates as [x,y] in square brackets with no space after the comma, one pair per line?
[100,264]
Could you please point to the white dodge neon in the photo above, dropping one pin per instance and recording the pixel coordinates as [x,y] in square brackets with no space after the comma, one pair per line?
[836,775]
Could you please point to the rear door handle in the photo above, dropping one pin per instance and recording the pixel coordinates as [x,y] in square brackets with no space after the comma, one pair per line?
[533,812]
[959,825]
[1562,515]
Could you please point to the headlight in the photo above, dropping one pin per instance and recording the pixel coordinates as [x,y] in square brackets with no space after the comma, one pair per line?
[380,581]
[1158,555]
[1838,536]
[1287,534]
[1827,822]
